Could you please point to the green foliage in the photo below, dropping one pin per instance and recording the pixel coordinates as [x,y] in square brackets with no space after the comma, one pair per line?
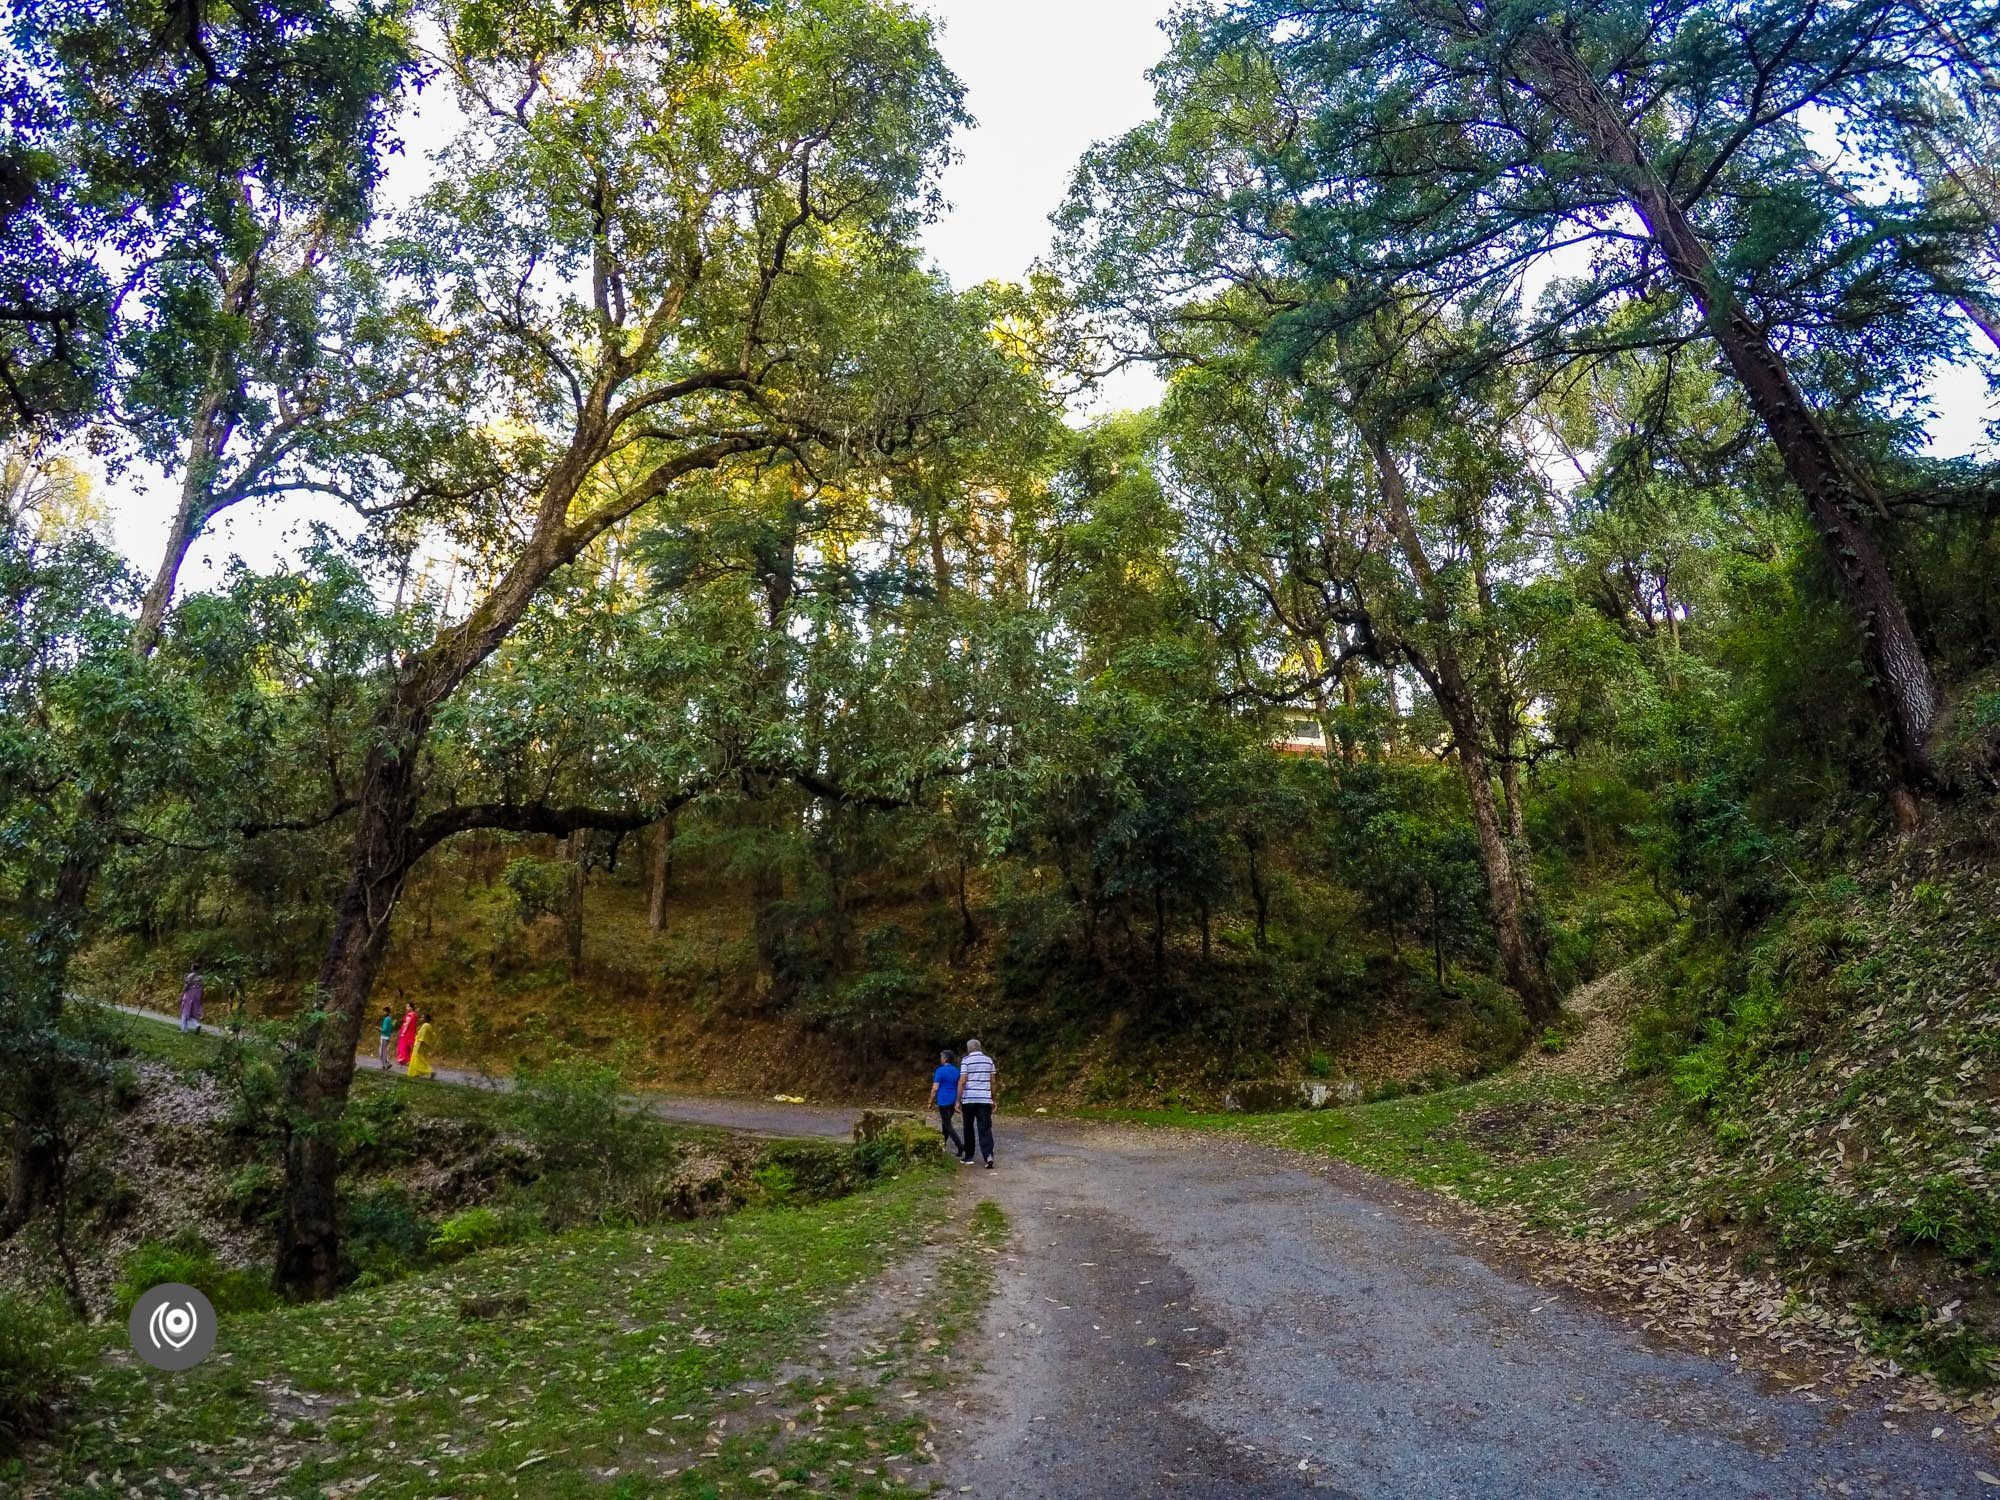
[774,1182]
[538,885]
[192,1261]
[252,1191]
[1958,1221]
[474,1229]
[378,1129]
[383,1236]
[38,1366]
[601,1160]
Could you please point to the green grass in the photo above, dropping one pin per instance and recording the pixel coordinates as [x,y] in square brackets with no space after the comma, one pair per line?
[607,1363]
[1528,1144]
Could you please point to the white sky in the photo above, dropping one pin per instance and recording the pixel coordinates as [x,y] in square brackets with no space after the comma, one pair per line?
[1045,79]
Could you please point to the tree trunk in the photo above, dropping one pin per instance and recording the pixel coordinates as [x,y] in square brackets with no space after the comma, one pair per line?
[663,876]
[1838,495]
[309,1223]
[1518,958]
[573,905]
[1439,665]
[1258,893]
[968,929]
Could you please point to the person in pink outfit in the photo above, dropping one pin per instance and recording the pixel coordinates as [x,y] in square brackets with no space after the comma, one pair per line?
[407,1037]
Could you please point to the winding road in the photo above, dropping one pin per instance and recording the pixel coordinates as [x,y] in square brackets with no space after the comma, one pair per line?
[1188,1316]
[1195,1316]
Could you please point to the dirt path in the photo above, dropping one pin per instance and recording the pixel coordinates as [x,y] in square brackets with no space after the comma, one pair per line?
[1191,1316]
[746,1116]
[1195,1316]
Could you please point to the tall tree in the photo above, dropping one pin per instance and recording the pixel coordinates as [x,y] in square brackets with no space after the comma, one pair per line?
[1413,154]
[225,174]
[668,247]
[149,140]
[1368,530]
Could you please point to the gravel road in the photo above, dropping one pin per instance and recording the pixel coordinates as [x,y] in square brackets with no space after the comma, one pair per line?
[746,1116]
[1193,1316]
[1186,1316]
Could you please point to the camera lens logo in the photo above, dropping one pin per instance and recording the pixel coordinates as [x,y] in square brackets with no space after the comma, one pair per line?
[172,1327]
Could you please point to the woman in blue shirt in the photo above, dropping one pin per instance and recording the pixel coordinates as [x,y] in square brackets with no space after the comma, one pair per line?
[944,1097]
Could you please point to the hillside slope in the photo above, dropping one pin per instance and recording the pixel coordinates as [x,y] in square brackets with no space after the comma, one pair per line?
[489,953]
[1791,1139]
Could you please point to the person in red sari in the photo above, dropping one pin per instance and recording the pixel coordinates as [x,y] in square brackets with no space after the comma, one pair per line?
[406,1038]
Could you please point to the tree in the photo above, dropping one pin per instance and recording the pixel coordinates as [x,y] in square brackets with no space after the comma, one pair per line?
[148,145]
[245,352]
[1367,528]
[1417,155]
[669,248]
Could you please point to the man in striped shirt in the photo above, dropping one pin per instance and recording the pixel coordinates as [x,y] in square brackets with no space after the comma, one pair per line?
[976,1075]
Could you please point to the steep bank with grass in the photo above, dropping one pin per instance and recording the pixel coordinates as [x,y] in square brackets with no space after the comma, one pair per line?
[1789,1139]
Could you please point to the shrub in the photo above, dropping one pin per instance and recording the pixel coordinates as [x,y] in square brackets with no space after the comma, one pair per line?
[775,1182]
[256,1095]
[383,1236]
[36,1366]
[252,1193]
[538,885]
[1962,1223]
[376,1128]
[602,1161]
[472,1230]
[189,1259]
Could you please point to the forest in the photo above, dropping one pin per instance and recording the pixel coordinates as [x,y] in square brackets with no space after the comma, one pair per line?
[1542,555]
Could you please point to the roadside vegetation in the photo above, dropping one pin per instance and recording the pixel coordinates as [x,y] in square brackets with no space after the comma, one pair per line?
[1815,1104]
[1568,530]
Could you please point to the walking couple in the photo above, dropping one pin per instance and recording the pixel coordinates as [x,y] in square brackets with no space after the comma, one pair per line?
[967,1086]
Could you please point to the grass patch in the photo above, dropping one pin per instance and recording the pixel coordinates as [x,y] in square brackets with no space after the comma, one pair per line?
[604,1362]
[1525,1143]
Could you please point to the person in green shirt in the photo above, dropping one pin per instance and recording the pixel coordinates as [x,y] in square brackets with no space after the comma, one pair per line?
[388,1036]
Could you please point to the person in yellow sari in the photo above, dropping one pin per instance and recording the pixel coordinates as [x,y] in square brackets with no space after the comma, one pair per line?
[420,1062]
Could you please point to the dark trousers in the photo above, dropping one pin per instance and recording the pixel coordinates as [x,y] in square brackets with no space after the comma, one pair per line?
[944,1119]
[978,1117]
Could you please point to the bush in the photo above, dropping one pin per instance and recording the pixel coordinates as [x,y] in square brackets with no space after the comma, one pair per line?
[475,1229]
[539,885]
[602,1161]
[1962,1223]
[189,1259]
[383,1236]
[36,1366]
[256,1093]
[376,1128]
[775,1182]
[252,1194]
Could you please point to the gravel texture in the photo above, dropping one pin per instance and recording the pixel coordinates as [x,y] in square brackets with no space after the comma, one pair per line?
[1196,1316]
[1181,1316]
